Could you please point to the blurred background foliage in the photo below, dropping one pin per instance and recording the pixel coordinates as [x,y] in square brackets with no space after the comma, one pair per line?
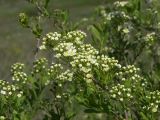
[18,44]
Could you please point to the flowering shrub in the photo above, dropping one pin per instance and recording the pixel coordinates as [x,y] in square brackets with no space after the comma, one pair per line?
[103,77]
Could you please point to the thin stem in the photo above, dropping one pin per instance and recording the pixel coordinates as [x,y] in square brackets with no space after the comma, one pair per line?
[37,49]
[39,8]
[126,115]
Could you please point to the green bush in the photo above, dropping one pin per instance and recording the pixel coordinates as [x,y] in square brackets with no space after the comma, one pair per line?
[111,74]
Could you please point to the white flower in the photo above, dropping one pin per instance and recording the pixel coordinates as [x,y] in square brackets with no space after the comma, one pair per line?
[88,80]
[19,95]
[85,70]
[69,53]
[121,99]
[3,92]
[114,95]
[58,96]
[42,47]
[10,93]
[89,75]
[58,55]
[128,94]
[126,30]
[119,93]
[154,109]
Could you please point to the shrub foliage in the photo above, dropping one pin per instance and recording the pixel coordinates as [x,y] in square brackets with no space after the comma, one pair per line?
[107,70]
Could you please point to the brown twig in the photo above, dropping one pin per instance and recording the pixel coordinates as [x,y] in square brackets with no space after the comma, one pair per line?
[126,115]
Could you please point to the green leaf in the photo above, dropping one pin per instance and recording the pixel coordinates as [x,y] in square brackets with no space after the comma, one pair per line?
[144,117]
[95,32]
[70,116]
[37,30]
[46,3]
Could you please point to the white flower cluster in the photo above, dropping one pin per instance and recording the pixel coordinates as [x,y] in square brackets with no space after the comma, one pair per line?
[18,74]
[65,49]
[106,63]
[39,65]
[50,40]
[54,69]
[130,73]
[62,95]
[144,82]
[121,93]
[153,101]
[150,38]
[104,14]
[84,60]
[111,15]
[20,77]
[7,89]
[17,67]
[129,70]
[75,36]
[120,3]
[102,11]
[117,14]
[67,75]
[85,57]
[108,16]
